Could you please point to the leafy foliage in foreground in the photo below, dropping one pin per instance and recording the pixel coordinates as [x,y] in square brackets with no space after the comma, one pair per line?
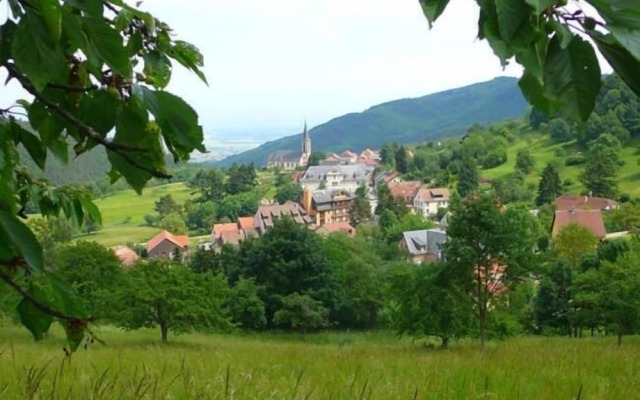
[561,70]
[92,67]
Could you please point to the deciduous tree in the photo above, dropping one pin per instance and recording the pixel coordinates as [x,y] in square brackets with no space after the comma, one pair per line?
[488,247]
[468,178]
[171,297]
[573,242]
[525,161]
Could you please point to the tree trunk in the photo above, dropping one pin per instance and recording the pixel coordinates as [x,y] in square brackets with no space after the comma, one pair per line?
[164,330]
[445,342]
[483,329]
[619,337]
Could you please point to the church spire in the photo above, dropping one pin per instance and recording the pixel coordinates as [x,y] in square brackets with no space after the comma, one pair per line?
[306,142]
[305,134]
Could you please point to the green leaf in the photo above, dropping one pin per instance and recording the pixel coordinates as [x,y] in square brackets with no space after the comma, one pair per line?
[48,125]
[72,32]
[623,21]
[177,120]
[572,77]
[23,239]
[35,320]
[158,67]
[60,150]
[563,32]
[533,91]
[65,298]
[133,129]
[134,45]
[623,62]
[91,209]
[36,55]
[32,144]
[432,9]
[532,59]
[75,334]
[77,206]
[629,39]
[189,56]
[541,5]
[52,14]
[511,14]
[108,45]
[6,37]
[93,7]
[488,29]
[123,20]
[99,110]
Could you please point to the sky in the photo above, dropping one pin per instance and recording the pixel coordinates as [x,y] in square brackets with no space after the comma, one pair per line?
[271,64]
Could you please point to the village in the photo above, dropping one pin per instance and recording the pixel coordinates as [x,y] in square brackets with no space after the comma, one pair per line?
[327,205]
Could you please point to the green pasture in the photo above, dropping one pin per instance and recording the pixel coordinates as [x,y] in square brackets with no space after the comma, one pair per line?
[123,213]
[543,150]
[135,365]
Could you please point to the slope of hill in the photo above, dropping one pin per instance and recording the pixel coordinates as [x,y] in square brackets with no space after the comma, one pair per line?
[438,115]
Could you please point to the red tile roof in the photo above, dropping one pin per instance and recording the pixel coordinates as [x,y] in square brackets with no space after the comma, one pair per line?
[434,194]
[344,227]
[348,154]
[178,240]
[405,189]
[218,229]
[368,161]
[590,219]
[390,177]
[125,254]
[585,203]
[245,222]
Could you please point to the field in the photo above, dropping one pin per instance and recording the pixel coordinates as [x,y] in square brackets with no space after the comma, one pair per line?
[543,150]
[123,214]
[324,366]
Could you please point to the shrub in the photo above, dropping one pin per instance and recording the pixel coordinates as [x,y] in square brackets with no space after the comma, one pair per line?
[576,159]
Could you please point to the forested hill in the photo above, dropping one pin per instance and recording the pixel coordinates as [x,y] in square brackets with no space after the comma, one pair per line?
[438,115]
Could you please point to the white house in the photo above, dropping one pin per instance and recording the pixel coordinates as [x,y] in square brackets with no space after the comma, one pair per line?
[428,200]
[344,177]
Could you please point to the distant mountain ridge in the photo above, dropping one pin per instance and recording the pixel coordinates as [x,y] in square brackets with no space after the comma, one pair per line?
[406,121]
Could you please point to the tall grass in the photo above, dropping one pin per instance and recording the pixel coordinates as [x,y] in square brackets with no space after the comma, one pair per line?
[325,366]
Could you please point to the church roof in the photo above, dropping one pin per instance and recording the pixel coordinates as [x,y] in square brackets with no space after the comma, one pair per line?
[285,156]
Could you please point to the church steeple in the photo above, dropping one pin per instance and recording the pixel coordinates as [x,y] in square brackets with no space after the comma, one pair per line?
[306,142]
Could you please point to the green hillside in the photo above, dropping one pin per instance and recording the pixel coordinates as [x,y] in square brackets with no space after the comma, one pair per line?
[544,150]
[438,115]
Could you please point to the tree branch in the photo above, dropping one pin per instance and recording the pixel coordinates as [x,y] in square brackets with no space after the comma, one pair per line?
[88,130]
[41,306]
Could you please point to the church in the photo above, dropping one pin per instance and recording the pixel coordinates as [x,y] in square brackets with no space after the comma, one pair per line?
[291,159]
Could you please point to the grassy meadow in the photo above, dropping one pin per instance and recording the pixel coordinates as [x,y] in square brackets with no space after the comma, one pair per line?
[123,214]
[543,150]
[135,365]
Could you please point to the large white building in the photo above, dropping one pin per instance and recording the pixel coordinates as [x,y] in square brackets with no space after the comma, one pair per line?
[343,177]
